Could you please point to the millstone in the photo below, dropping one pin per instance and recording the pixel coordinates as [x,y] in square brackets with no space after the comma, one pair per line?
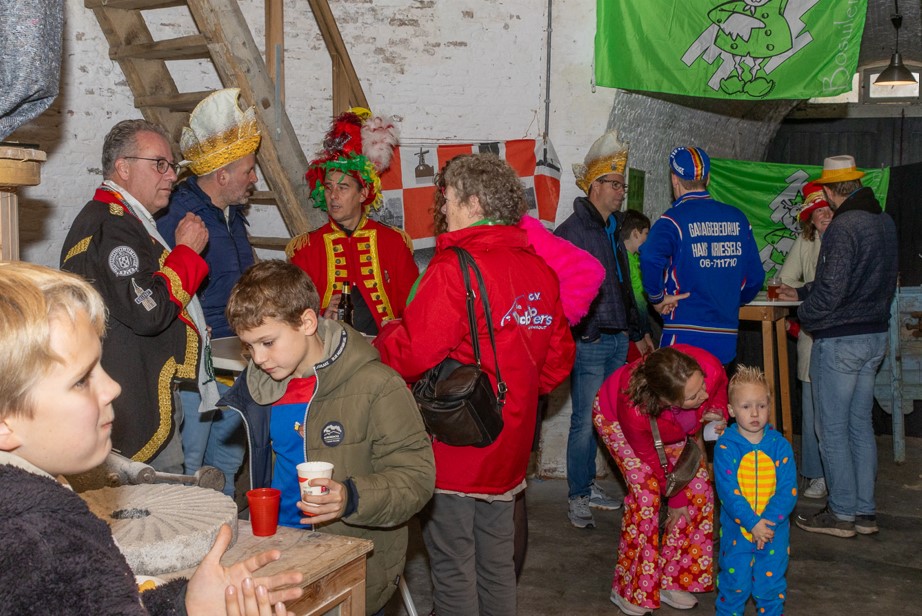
[162,528]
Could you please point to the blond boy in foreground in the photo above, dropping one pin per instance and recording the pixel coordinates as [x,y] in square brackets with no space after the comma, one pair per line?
[55,419]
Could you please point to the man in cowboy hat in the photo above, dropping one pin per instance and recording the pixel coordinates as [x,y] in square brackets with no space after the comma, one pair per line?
[603,335]
[700,262]
[374,258]
[219,146]
[846,310]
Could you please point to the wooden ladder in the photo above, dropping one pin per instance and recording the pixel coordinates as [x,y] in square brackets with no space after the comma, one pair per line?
[225,39]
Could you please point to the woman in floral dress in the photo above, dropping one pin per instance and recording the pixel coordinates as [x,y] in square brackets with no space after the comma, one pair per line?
[681,387]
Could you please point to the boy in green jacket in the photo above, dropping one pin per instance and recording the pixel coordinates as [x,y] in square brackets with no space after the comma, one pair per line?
[315,390]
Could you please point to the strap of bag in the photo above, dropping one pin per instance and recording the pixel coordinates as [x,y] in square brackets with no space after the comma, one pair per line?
[467,262]
[658,443]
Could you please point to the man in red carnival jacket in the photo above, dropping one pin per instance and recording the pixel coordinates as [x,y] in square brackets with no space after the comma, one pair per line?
[377,260]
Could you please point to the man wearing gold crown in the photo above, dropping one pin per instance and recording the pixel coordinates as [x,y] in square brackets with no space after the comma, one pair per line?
[603,335]
[219,147]
[156,333]
[353,249]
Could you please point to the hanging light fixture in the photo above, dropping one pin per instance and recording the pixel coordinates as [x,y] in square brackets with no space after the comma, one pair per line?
[896,73]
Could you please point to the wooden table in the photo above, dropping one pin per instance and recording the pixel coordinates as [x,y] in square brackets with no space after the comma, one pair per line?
[333,567]
[774,353]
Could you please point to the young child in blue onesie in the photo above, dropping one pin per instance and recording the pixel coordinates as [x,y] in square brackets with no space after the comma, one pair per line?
[756,481]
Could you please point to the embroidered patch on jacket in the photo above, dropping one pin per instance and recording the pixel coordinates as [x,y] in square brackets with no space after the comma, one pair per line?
[524,312]
[332,434]
[123,261]
[143,297]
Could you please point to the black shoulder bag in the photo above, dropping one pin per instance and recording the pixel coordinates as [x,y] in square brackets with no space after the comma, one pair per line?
[456,400]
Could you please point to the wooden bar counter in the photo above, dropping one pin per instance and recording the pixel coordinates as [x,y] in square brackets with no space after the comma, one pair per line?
[333,567]
[771,314]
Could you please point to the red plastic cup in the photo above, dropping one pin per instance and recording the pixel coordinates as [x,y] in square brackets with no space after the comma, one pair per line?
[264,510]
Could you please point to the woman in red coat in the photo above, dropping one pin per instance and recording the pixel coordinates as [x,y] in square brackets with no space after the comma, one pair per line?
[469,528]
[680,386]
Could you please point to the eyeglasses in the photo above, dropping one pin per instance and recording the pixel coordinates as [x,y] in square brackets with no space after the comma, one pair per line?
[162,166]
[615,184]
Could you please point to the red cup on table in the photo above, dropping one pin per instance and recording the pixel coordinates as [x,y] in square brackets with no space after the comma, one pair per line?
[264,510]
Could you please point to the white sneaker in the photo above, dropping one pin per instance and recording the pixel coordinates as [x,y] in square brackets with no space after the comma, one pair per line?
[679,599]
[816,488]
[628,608]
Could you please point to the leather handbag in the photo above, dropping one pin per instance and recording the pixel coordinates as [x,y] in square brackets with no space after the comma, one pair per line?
[456,400]
[685,468]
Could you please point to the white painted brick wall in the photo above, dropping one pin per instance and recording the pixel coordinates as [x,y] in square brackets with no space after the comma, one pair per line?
[446,69]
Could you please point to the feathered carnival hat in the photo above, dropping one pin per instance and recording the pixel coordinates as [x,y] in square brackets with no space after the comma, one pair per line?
[360,145]
[814,199]
[607,155]
[219,132]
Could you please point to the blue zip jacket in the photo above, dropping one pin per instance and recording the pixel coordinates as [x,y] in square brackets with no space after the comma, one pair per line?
[228,252]
[706,248]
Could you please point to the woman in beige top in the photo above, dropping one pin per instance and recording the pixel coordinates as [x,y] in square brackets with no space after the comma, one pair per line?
[799,269]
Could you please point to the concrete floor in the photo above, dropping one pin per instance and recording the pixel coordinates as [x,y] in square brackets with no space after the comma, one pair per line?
[568,570]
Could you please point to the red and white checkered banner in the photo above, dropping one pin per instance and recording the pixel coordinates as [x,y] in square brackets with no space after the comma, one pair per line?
[409,187]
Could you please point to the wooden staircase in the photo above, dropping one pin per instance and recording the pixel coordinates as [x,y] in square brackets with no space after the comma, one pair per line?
[225,39]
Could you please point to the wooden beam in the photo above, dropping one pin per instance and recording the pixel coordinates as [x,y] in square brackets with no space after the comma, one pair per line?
[190,47]
[239,63]
[184,102]
[133,5]
[347,90]
[275,45]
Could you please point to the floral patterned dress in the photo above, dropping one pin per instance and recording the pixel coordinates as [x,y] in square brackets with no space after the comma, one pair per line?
[682,559]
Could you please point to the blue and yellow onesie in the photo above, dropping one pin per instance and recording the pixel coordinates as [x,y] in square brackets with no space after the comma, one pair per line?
[754,482]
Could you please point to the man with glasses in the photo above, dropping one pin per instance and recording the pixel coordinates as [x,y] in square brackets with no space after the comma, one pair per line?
[603,335]
[156,333]
[700,262]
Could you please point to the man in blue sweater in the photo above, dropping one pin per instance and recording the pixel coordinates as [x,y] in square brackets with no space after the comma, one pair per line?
[700,262]
[847,309]
[220,147]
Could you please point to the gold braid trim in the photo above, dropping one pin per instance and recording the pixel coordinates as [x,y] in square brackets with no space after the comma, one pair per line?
[331,264]
[372,256]
[189,368]
[116,210]
[165,402]
[176,285]
[295,244]
[79,248]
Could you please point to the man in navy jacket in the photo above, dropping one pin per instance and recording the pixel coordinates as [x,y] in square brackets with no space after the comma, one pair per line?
[220,147]
[847,309]
[603,335]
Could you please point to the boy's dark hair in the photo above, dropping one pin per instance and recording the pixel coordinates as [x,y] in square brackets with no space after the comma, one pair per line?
[631,220]
[271,289]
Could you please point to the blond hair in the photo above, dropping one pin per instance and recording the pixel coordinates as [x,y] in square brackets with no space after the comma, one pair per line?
[31,296]
[748,375]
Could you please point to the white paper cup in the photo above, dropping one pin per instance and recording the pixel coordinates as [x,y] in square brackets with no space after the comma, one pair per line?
[313,470]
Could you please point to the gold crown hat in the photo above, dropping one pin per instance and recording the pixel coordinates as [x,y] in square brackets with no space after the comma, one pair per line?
[607,155]
[219,132]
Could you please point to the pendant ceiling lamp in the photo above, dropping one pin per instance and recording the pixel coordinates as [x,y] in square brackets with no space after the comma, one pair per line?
[896,73]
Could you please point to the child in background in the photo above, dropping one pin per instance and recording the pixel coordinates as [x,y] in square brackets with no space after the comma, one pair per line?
[315,390]
[56,419]
[635,227]
[756,481]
